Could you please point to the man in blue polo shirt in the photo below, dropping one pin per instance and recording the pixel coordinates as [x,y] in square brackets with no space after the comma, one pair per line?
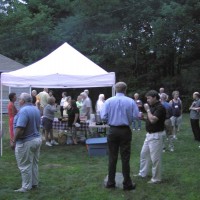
[119,112]
[28,142]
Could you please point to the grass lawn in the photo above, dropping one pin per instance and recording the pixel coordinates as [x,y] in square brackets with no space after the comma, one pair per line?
[68,173]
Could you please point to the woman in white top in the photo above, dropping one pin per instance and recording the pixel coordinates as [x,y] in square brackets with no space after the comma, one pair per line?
[64,97]
[99,106]
[100,102]
[66,106]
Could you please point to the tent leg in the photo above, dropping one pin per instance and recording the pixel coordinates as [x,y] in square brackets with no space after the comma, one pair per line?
[113,90]
[1,131]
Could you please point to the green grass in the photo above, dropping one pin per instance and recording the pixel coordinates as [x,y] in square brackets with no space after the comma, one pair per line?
[68,173]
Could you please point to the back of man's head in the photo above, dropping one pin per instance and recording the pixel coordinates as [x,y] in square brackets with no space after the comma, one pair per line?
[46,90]
[120,87]
[25,97]
[51,100]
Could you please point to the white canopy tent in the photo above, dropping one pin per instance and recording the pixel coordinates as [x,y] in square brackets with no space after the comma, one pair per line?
[63,68]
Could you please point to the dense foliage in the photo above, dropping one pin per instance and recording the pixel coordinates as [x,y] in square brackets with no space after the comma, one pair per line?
[148,43]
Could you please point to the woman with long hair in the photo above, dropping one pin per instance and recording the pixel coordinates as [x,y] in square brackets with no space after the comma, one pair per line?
[12,111]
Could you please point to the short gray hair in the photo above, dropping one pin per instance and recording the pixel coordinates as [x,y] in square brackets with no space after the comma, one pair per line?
[25,97]
[163,96]
[136,94]
[34,92]
[83,94]
[175,92]
[197,94]
[120,87]
[51,100]
[86,91]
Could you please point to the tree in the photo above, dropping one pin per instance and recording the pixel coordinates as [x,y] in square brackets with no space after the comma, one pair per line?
[148,43]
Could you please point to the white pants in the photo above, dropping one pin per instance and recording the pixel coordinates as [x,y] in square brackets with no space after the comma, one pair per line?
[152,152]
[27,156]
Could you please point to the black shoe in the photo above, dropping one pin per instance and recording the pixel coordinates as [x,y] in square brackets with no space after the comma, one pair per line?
[34,186]
[130,187]
[109,186]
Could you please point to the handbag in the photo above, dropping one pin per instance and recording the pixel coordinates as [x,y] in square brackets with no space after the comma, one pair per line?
[62,138]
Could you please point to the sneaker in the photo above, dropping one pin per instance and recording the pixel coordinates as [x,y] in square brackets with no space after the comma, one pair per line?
[133,129]
[53,142]
[171,149]
[175,137]
[139,129]
[139,176]
[48,144]
[21,190]
[154,182]
[34,186]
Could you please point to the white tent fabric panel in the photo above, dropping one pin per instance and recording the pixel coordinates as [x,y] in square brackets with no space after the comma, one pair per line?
[64,67]
[60,81]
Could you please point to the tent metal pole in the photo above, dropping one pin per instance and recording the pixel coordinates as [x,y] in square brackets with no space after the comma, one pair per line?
[113,90]
[1,133]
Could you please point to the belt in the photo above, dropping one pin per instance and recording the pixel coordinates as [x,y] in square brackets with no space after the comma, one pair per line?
[122,126]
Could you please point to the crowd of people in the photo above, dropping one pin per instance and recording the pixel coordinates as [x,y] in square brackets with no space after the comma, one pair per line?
[70,108]
[25,123]
[124,115]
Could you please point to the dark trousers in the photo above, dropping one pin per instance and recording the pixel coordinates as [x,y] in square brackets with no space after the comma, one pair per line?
[61,111]
[195,128]
[119,139]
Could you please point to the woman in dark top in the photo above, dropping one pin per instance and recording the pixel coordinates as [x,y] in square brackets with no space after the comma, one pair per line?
[73,119]
[33,95]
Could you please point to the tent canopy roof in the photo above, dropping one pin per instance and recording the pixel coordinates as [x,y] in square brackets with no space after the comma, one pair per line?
[63,68]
